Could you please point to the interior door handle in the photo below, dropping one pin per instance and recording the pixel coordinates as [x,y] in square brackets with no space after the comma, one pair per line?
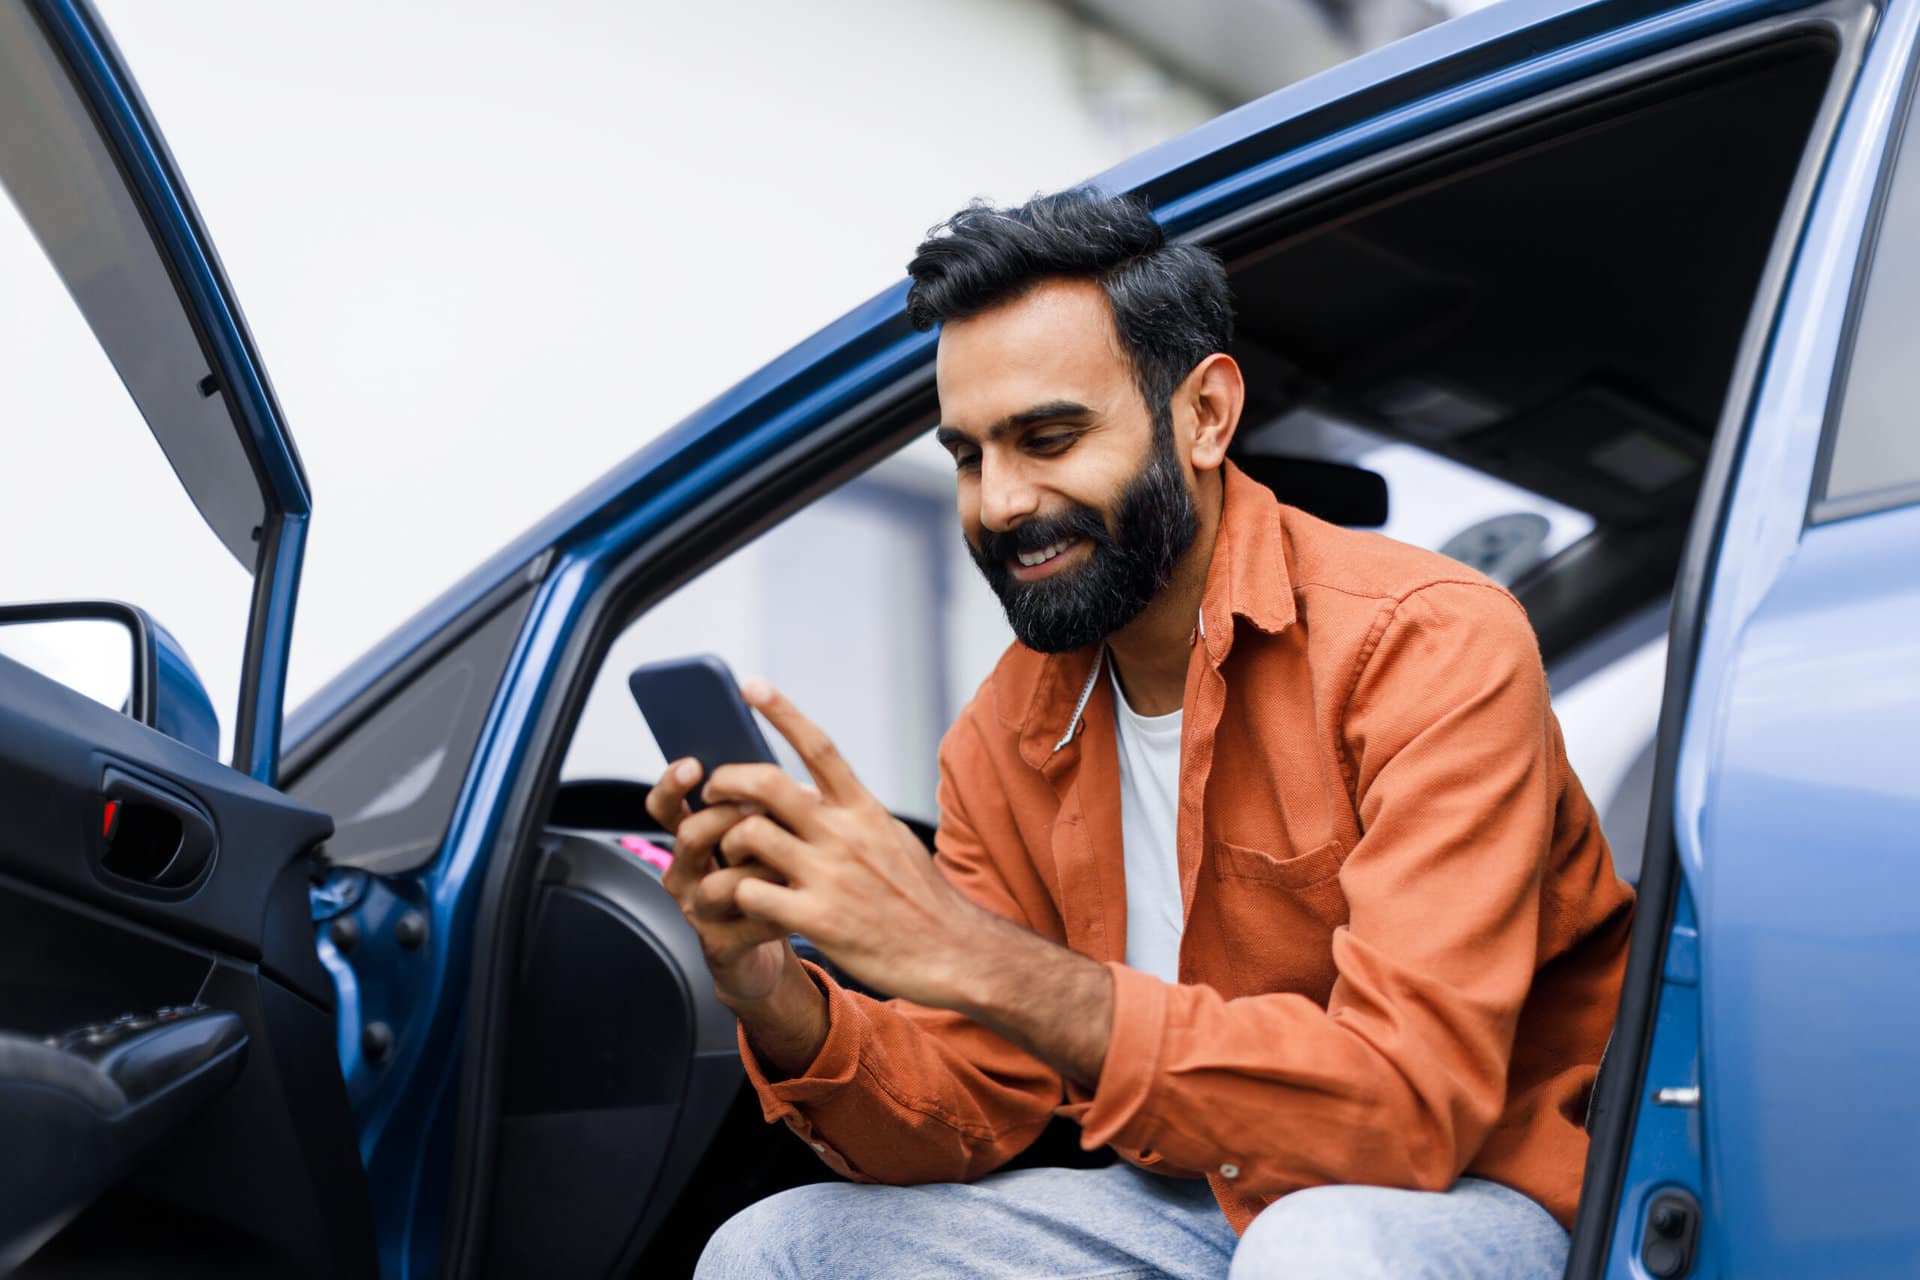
[150,835]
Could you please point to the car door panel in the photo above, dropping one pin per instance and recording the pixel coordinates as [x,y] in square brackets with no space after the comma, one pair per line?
[166,1050]
[1803,797]
[1812,1053]
[621,1065]
[1782,1082]
[65,757]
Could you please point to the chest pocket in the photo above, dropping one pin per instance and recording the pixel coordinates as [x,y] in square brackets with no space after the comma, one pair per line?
[1302,871]
[1277,917]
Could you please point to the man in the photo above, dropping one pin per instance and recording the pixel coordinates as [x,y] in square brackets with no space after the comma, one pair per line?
[1259,854]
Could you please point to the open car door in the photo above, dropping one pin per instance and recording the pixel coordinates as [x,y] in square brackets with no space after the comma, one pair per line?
[170,1096]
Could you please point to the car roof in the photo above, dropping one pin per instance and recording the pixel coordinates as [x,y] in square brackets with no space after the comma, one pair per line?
[1396,90]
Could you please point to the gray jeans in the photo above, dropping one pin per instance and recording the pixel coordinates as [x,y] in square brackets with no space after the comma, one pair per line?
[1120,1223]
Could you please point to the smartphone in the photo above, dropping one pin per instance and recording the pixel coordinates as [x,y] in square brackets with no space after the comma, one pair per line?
[694,707]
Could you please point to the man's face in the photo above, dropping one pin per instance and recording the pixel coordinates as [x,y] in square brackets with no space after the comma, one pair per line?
[1075,507]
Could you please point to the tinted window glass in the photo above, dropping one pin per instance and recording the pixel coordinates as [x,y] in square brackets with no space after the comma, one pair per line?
[90,506]
[67,188]
[391,781]
[1876,445]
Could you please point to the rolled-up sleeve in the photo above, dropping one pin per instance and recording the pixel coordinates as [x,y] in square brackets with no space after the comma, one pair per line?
[1400,1078]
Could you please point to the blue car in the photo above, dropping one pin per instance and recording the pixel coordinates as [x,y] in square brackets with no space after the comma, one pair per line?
[1606,298]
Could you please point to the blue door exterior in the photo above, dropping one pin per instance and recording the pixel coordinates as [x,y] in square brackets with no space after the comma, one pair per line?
[1799,781]
[1774,1085]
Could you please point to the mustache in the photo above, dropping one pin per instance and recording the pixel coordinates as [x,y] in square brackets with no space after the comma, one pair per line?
[996,547]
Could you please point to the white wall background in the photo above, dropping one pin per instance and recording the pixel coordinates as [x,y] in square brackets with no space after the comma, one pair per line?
[488,249]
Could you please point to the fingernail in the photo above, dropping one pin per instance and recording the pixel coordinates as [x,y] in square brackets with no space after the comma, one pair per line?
[685,772]
[756,690]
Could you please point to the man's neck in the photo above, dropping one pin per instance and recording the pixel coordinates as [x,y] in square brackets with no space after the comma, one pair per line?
[1150,653]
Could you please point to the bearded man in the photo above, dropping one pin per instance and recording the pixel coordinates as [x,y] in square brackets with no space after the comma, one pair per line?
[1259,855]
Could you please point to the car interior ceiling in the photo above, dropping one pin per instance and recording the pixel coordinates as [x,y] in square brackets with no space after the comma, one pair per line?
[1559,307]
[1563,315]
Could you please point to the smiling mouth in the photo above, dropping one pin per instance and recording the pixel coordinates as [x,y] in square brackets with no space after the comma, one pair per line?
[1031,566]
[1033,559]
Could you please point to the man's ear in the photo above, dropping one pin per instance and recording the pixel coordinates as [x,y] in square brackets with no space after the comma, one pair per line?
[1214,393]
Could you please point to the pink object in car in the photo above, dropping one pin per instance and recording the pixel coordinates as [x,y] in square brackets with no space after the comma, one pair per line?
[647,852]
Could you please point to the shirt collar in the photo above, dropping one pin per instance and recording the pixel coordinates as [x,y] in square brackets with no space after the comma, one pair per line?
[1247,577]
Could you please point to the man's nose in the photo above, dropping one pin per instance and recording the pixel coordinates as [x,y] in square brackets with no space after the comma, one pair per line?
[1006,496]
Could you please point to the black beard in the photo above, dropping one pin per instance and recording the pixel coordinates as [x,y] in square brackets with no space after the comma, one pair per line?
[1132,560]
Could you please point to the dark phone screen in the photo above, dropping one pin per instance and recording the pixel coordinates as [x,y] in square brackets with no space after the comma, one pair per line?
[694,708]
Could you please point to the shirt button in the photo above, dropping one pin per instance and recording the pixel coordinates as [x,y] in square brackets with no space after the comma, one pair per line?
[1229,1170]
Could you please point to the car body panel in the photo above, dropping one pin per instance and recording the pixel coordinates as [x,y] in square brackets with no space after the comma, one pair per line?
[182,710]
[1801,963]
[1445,74]
[1808,834]
[1669,1142]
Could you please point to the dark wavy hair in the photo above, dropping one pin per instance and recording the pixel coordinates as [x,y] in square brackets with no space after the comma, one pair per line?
[1171,305]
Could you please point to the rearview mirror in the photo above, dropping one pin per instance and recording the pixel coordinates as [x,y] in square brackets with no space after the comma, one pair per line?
[120,657]
[1337,492]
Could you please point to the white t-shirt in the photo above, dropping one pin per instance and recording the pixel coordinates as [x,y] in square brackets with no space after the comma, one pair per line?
[1149,751]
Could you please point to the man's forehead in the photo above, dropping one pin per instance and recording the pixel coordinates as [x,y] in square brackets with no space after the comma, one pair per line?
[1055,342]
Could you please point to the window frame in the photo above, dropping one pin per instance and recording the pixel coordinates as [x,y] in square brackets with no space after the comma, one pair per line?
[1822,507]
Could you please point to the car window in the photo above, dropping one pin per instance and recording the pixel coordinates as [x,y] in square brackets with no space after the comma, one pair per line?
[89,505]
[1874,448]
[863,608]
[391,781]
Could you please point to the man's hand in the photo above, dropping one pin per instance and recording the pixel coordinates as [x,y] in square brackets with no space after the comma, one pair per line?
[755,972]
[745,955]
[861,887]
[848,874]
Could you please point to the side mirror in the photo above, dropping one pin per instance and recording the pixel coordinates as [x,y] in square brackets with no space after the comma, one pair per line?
[119,656]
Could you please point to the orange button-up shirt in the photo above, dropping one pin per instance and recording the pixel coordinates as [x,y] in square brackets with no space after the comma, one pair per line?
[1404,937]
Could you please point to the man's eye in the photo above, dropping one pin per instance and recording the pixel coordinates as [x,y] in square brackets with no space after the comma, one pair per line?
[965,460]
[1052,442]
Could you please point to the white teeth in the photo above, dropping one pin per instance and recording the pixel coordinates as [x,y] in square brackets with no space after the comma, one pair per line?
[1032,558]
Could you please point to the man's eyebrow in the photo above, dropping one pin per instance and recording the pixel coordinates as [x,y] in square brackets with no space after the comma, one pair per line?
[1050,411]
